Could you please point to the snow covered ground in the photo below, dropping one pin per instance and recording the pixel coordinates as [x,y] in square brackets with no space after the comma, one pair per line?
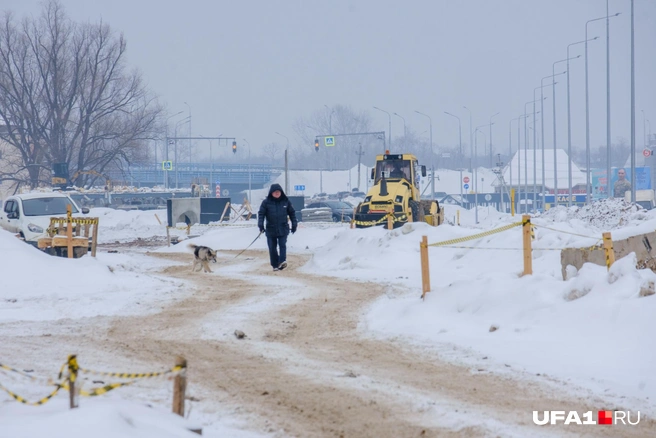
[593,331]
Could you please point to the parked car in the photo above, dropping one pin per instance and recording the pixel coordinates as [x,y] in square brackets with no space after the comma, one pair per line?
[28,215]
[342,212]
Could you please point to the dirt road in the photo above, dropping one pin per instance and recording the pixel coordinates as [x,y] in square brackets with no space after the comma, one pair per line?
[305,369]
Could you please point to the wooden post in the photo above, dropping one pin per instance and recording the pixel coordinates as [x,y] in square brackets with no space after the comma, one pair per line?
[512,202]
[390,221]
[425,271]
[458,216]
[608,248]
[168,236]
[528,257]
[69,232]
[179,387]
[224,211]
[94,238]
[157,217]
[72,377]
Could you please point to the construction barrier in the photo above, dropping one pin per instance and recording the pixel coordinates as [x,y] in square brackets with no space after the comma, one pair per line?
[70,382]
[528,235]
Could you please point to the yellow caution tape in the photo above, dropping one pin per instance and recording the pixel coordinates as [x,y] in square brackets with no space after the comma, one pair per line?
[477,236]
[101,390]
[133,375]
[401,218]
[20,399]
[8,368]
[565,232]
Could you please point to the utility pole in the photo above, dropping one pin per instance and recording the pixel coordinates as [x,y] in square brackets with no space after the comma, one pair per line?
[359,153]
[633,136]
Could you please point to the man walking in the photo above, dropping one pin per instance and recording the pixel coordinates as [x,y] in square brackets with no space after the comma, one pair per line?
[276,208]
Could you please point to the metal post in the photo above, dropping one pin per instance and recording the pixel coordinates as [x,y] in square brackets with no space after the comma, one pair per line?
[491,159]
[286,163]
[404,129]
[633,140]
[608,102]
[460,150]
[431,152]
[471,147]
[188,106]
[553,69]
[475,175]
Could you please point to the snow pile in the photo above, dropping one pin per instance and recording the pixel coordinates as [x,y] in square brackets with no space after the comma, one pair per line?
[97,418]
[128,226]
[602,215]
[44,287]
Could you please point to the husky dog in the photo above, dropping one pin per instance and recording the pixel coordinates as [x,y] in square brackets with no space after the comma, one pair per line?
[202,257]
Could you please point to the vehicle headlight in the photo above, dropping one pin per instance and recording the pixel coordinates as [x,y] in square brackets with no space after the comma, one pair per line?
[399,199]
[35,228]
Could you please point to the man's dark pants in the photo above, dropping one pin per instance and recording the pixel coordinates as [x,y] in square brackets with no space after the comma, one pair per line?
[274,242]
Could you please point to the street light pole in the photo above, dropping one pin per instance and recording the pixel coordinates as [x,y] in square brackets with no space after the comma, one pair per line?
[389,141]
[175,149]
[404,130]
[553,73]
[250,194]
[569,123]
[166,124]
[286,163]
[633,140]
[189,134]
[587,113]
[459,151]
[476,169]
[491,159]
[431,154]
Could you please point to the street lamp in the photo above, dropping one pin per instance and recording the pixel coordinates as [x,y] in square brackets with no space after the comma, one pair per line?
[430,121]
[476,169]
[175,149]
[404,130]
[542,122]
[587,104]
[491,159]
[286,163]
[250,195]
[569,123]
[166,124]
[460,150]
[553,73]
[389,142]
[189,133]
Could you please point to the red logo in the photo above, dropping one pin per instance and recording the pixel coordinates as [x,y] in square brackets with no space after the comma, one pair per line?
[605,417]
[646,152]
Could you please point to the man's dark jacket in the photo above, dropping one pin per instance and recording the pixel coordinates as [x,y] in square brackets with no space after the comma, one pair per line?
[276,212]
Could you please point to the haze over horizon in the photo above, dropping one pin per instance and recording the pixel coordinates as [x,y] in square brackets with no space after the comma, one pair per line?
[249,69]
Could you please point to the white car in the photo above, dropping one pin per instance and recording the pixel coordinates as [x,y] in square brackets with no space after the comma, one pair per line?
[29,215]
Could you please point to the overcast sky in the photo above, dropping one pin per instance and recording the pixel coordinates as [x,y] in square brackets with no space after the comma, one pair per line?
[250,68]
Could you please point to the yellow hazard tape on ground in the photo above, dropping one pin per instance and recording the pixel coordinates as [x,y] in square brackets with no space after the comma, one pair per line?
[42,401]
[477,236]
[402,218]
[133,375]
[8,368]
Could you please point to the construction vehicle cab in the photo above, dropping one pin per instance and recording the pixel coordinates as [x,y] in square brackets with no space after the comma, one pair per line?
[396,193]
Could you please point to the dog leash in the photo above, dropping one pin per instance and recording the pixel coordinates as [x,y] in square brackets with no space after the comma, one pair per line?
[258,236]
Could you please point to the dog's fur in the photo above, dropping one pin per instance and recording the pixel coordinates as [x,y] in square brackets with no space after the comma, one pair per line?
[202,257]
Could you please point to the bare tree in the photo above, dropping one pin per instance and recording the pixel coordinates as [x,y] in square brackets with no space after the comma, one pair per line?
[68,97]
[271,150]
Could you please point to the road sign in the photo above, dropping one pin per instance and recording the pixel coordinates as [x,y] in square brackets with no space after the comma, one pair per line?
[488,197]
[299,188]
[465,179]
[225,192]
[329,141]
[466,186]
[646,152]
[167,165]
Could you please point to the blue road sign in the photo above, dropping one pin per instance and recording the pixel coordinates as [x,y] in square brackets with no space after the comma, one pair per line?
[299,188]
[329,141]
[167,165]
[465,186]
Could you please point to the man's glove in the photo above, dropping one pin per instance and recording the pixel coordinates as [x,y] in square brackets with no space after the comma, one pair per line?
[261,230]
[293,229]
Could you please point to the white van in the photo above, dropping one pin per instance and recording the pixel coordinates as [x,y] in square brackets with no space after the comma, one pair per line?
[29,215]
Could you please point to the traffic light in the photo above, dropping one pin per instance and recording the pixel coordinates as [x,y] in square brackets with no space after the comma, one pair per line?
[316,145]
[234,147]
